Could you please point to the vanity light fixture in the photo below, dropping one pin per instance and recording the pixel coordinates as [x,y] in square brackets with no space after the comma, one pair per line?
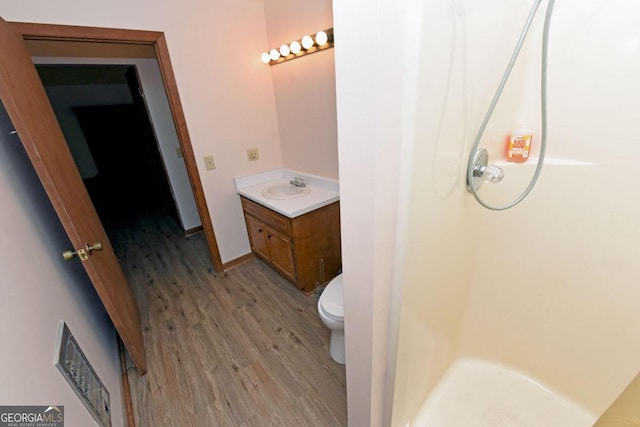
[297,48]
[321,38]
[307,42]
[284,50]
[274,54]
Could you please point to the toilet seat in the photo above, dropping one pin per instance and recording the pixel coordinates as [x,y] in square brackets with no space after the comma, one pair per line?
[331,316]
[331,300]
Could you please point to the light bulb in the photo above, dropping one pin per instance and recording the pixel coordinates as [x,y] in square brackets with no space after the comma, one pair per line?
[265,57]
[307,42]
[295,47]
[321,38]
[284,50]
[274,54]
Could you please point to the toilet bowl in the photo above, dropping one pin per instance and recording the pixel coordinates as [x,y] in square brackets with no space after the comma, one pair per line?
[331,310]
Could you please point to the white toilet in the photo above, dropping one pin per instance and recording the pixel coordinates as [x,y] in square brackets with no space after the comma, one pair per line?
[331,309]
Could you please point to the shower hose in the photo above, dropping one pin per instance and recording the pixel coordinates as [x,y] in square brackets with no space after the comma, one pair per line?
[496,98]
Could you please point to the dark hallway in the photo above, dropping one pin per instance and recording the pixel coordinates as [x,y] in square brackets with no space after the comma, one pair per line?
[131,180]
[118,157]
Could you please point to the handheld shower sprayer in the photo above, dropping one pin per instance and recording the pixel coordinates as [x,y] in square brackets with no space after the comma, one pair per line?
[477,167]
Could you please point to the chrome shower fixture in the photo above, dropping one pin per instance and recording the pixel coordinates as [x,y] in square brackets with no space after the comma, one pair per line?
[477,169]
[482,171]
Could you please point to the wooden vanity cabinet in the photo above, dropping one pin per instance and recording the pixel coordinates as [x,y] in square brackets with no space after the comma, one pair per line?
[305,249]
[271,246]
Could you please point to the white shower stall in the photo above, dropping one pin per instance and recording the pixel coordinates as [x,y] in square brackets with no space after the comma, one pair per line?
[547,292]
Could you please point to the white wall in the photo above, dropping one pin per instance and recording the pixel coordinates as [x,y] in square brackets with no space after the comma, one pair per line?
[441,241]
[375,166]
[162,121]
[305,89]
[557,296]
[549,287]
[38,290]
[226,91]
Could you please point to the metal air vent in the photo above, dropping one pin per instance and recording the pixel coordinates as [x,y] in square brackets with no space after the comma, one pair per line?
[78,372]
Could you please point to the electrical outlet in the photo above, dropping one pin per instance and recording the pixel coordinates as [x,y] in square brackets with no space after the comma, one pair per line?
[179,152]
[253,154]
[209,163]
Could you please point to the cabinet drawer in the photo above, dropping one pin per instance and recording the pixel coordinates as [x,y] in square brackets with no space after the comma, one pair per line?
[269,217]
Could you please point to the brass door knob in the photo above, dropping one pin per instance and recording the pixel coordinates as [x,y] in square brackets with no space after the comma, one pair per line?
[69,255]
[97,246]
[83,253]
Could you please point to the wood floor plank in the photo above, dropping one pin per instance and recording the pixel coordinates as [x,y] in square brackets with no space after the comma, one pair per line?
[243,348]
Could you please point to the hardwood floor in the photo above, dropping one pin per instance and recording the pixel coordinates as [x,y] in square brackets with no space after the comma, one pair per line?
[243,348]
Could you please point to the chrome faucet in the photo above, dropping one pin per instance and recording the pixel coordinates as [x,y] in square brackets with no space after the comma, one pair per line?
[298,182]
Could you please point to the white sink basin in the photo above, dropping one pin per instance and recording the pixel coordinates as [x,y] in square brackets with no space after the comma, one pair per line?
[285,191]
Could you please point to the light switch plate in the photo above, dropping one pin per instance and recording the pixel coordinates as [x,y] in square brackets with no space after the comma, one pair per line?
[209,163]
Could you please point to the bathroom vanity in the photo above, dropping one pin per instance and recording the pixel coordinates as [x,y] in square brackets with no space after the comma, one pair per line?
[298,236]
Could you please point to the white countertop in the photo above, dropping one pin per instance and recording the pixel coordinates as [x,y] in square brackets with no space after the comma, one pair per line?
[324,191]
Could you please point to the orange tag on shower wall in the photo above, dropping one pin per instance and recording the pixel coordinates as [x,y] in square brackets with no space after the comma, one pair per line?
[519,146]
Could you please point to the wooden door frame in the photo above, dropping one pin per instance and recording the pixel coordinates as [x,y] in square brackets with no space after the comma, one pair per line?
[32,31]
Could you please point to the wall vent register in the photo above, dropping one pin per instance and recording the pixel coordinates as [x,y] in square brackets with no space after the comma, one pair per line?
[77,370]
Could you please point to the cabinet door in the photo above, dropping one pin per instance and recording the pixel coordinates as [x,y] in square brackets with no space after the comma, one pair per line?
[281,252]
[257,236]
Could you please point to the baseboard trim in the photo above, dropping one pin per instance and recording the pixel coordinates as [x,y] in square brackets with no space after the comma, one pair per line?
[195,230]
[238,261]
[126,389]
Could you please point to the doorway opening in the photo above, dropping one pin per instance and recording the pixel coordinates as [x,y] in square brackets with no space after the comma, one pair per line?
[90,40]
[103,115]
